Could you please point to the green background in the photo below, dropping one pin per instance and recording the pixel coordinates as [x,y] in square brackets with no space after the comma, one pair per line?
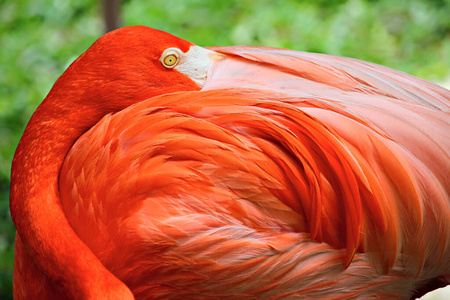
[40,38]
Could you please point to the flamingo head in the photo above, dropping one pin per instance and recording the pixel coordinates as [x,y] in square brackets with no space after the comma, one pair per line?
[129,65]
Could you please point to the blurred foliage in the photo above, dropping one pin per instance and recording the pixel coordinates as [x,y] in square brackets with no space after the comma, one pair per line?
[40,38]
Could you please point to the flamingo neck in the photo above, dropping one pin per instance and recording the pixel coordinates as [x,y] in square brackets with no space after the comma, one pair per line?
[36,207]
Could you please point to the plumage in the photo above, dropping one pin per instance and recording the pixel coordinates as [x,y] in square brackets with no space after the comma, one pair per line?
[284,174]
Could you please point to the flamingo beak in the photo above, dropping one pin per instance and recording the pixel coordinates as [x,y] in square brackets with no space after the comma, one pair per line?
[197,62]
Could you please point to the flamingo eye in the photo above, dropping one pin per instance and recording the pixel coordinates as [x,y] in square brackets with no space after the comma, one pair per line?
[170,58]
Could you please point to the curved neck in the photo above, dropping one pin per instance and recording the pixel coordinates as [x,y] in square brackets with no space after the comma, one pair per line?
[37,212]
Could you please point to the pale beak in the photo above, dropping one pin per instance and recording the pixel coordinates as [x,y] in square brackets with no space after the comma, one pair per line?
[197,62]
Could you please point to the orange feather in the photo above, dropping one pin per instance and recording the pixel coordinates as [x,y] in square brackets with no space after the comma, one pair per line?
[286,174]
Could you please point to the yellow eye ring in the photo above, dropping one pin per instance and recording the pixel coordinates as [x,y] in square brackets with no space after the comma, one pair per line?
[170,58]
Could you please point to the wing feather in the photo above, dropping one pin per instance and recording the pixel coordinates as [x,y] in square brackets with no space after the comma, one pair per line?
[277,144]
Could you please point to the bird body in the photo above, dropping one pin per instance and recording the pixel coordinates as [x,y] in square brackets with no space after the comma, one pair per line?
[275,174]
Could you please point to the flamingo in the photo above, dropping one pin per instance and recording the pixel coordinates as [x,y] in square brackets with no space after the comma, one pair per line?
[156,168]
